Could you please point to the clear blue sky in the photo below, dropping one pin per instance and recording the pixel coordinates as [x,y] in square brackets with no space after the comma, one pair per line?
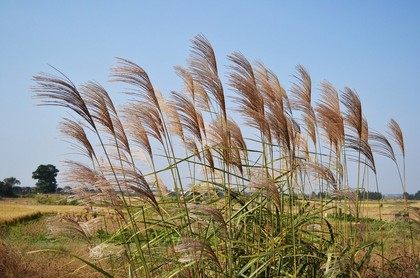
[370,46]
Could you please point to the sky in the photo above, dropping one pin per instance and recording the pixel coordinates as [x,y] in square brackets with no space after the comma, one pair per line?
[370,46]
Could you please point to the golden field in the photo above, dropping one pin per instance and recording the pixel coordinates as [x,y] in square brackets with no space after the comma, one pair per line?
[389,209]
[14,209]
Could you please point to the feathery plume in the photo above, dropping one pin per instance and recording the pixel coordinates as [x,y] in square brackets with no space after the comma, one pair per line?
[324,173]
[275,100]
[197,93]
[75,131]
[353,114]
[193,249]
[249,99]
[209,157]
[230,145]
[329,115]
[302,98]
[205,211]
[265,184]
[203,68]
[103,112]
[60,91]
[175,125]
[131,73]
[84,176]
[149,108]
[191,119]
[137,131]
[397,135]
[381,145]
[148,116]
[362,146]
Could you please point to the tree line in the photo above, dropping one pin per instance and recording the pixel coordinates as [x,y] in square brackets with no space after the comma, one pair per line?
[409,196]
[367,195]
[47,183]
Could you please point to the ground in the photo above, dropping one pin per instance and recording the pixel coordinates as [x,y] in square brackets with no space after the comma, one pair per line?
[27,231]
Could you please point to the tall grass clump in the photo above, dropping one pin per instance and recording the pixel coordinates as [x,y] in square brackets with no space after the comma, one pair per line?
[216,180]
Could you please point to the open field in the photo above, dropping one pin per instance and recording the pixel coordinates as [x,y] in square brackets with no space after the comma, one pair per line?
[21,236]
[389,209]
[28,228]
[19,241]
[15,209]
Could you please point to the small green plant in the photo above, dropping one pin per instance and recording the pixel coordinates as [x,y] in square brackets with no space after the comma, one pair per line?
[102,235]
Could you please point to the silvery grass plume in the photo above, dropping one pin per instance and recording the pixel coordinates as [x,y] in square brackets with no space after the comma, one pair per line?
[381,145]
[278,112]
[75,225]
[194,90]
[302,101]
[395,133]
[226,139]
[147,100]
[207,214]
[105,250]
[202,66]
[353,114]
[250,213]
[190,118]
[329,117]
[249,99]
[321,172]
[265,185]
[194,250]
[75,131]
[60,91]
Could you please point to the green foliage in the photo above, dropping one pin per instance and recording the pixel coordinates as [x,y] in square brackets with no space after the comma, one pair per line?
[368,195]
[408,196]
[102,235]
[323,195]
[6,186]
[46,176]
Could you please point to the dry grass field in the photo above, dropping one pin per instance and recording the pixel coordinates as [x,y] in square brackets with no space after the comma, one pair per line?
[389,210]
[16,209]
[28,229]
[21,235]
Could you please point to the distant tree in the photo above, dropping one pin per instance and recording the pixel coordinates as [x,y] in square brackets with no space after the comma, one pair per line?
[6,186]
[45,174]
[369,195]
[323,195]
[408,196]
[3,189]
[417,195]
[17,190]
